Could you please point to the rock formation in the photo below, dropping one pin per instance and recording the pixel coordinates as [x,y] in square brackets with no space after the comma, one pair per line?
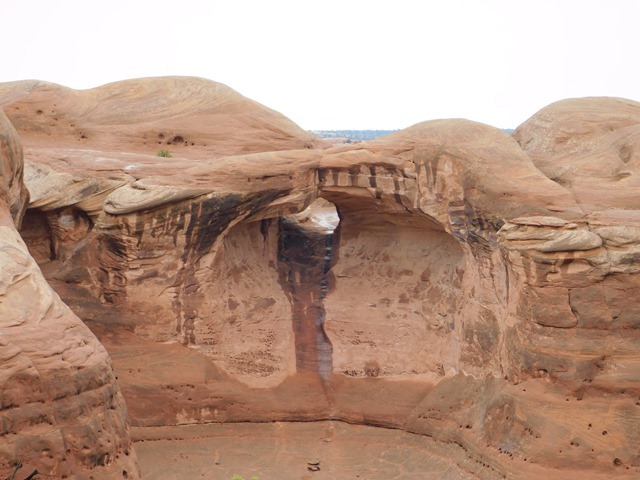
[190,116]
[448,279]
[61,410]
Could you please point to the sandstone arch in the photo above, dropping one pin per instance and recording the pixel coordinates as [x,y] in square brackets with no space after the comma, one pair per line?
[530,262]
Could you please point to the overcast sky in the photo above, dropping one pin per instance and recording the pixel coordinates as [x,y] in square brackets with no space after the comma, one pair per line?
[340,64]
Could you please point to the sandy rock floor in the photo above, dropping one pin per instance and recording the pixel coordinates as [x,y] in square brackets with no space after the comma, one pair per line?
[286,451]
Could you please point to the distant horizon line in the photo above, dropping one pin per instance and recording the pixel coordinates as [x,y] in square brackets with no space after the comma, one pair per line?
[378,129]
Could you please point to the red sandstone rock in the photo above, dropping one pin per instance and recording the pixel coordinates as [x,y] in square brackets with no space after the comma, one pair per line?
[190,117]
[470,292]
[588,145]
[60,408]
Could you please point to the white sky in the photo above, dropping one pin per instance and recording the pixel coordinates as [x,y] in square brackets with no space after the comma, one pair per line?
[340,64]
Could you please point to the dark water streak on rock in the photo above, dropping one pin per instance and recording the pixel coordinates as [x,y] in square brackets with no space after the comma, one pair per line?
[305,258]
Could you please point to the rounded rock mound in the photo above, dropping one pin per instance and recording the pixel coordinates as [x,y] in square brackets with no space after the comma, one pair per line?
[188,116]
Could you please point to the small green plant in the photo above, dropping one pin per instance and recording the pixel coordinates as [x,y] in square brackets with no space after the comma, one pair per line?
[164,153]
[240,477]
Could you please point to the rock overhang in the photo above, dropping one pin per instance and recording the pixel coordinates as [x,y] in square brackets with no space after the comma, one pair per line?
[517,254]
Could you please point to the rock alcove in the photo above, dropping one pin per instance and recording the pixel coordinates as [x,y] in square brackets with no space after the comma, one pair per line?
[468,281]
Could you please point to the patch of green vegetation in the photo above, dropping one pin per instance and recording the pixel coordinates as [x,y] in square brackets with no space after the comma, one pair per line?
[164,153]
[239,477]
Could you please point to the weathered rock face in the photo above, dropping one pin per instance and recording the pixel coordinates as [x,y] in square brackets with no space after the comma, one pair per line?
[61,410]
[184,115]
[589,146]
[469,292]
[305,259]
[13,193]
[419,254]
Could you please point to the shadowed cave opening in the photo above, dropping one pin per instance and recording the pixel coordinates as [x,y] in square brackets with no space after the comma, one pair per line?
[56,234]
[36,233]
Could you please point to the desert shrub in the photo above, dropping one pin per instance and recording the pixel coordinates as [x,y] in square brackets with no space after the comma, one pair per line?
[164,153]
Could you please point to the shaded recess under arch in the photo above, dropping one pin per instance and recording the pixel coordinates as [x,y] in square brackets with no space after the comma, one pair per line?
[352,285]
[396,304]
[262,319]
[55,234]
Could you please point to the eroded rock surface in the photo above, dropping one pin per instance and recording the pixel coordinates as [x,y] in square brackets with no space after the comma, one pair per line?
[183,115]
[61,410]
[471,292]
